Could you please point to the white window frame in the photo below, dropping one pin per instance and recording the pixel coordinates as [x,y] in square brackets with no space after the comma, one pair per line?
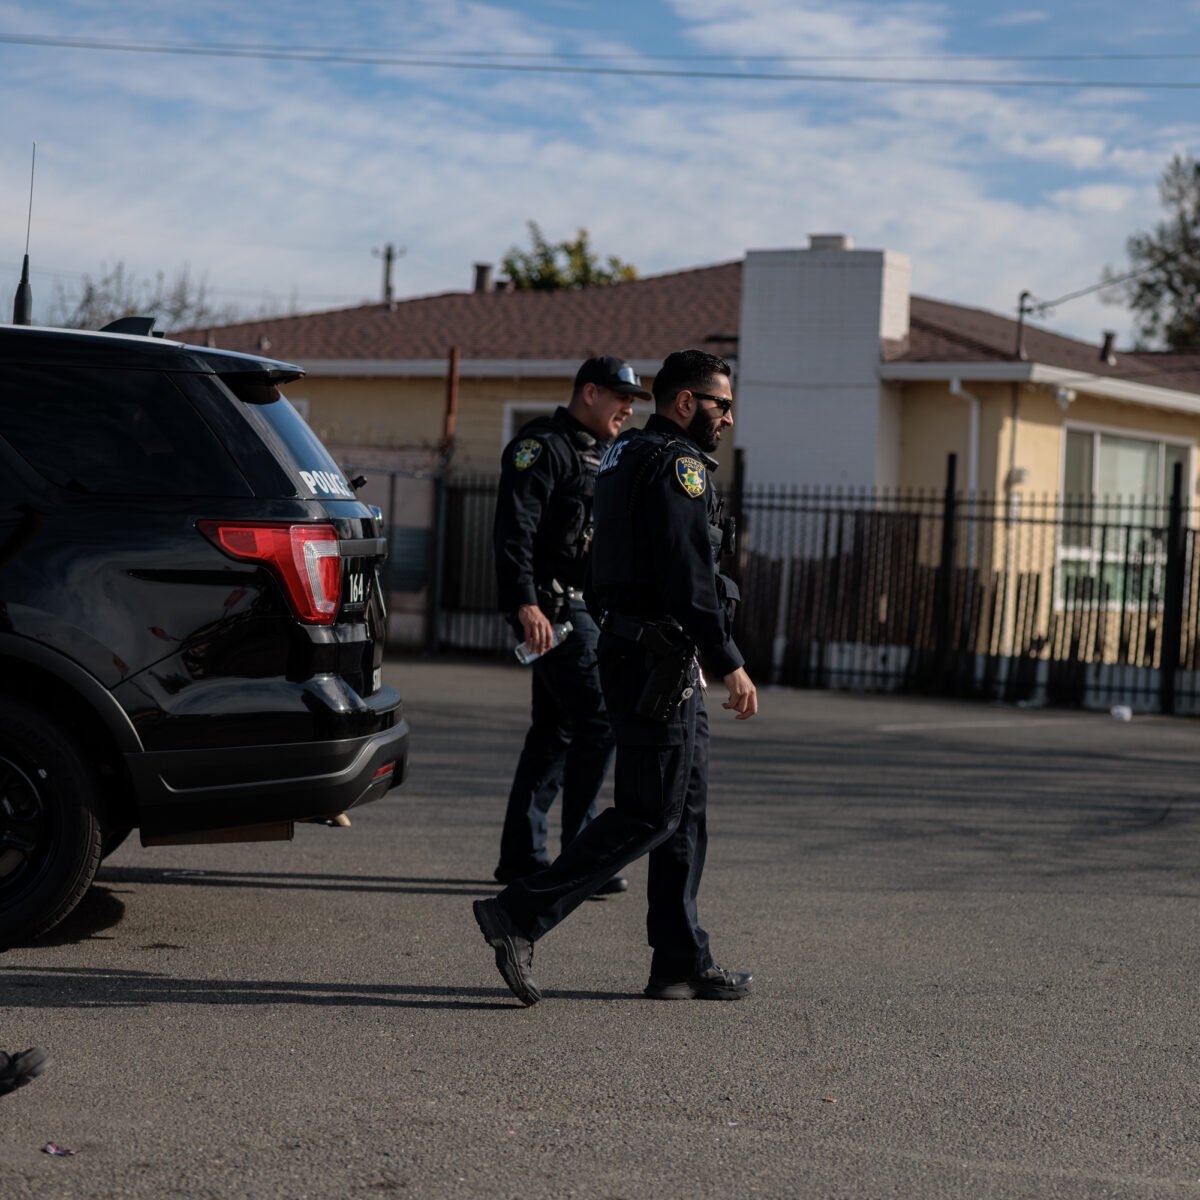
[1155,560]
[512,407]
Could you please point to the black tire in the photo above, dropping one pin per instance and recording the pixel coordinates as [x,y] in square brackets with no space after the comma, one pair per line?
[50,838]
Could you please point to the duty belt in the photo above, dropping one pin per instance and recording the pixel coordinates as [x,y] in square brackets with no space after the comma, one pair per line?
[675,671]
[661,636]
[556,589]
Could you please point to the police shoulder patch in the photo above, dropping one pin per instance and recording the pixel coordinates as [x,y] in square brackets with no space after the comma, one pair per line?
[690,474]
[526,453]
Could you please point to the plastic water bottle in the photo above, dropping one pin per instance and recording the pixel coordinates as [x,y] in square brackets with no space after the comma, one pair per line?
[525,654]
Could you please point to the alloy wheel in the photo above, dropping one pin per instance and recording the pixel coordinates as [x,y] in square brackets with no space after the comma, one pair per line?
[25,826]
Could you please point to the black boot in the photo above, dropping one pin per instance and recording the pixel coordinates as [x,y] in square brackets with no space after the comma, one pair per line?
[714,984]
[514,953]
[613,887]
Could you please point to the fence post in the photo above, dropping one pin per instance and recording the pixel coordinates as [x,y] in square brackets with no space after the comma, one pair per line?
[1172,619]
[437,566]
[943,598]
[737,508]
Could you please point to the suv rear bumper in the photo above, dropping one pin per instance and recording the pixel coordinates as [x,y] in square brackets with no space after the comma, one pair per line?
[188,791]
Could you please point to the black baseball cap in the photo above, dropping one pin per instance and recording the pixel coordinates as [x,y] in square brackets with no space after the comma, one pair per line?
[612,373]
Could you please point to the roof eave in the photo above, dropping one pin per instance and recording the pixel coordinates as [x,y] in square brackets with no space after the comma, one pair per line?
[981,372]
[1108,386]
[469,368]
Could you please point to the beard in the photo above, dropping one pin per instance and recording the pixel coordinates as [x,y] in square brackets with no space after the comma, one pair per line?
[704,431]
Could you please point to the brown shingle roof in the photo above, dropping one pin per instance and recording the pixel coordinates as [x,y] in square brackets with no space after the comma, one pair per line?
[647,319]
[943,332]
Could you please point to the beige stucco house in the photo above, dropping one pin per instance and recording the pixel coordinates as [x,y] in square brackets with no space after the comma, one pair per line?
[842,376]
[843,379]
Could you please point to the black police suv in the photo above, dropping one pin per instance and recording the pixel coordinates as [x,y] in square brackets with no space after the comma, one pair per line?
[191,617]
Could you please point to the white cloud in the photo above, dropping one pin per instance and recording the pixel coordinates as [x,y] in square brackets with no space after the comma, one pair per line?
[1073,150]
[270,177]
[1095,198]
[768,26]
[1022,17]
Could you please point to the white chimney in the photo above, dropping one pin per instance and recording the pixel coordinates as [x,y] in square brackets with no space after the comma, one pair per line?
[830,241]
[811,408]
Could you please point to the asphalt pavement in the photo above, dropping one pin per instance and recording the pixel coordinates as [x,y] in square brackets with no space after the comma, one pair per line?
[972,929]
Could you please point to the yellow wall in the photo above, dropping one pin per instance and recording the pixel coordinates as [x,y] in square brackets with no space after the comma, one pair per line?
[481,429]
[373,412]
[409,414]
[1042,421]
[934,423]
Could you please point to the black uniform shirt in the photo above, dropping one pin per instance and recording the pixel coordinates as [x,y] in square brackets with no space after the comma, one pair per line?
[655,551]
[543,520]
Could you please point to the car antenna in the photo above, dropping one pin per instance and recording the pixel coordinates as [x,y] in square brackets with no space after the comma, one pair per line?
[23,302]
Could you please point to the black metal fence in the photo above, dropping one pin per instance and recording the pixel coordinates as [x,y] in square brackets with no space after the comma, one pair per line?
[1059,600]
[467,618]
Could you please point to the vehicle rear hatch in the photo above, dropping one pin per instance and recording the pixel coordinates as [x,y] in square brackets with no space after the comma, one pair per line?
[287,462]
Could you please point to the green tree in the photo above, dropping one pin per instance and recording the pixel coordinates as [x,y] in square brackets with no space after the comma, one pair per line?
[1165,294]
[179,303]
[564,265]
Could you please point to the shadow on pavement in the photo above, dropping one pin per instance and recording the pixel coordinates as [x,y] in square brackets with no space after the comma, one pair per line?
[99,910]
[293,880]
[98,987]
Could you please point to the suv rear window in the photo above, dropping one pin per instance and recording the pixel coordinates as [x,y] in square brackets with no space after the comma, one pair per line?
[114,432]
[313,470]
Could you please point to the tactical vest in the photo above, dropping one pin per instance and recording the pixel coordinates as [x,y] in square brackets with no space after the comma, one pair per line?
[632,461]
[564,538]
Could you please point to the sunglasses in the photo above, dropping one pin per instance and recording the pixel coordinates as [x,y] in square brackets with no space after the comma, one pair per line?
[722,402]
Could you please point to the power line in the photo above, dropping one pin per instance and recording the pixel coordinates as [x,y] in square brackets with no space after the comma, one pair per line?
[591,55]
[459,63]
[1041,308]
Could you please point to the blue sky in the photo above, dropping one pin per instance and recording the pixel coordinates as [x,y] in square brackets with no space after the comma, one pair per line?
[273,180]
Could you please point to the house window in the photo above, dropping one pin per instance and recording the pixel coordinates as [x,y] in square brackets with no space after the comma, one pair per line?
[1115,504]
[519,415]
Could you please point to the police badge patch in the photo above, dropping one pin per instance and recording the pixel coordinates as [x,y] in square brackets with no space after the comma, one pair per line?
[690,473]
[526,453]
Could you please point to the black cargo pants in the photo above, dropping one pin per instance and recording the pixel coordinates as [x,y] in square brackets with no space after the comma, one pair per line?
[659,808]
[568,747]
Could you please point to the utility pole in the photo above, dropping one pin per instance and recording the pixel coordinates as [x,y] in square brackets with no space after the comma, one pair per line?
[1025,306]
[389,254]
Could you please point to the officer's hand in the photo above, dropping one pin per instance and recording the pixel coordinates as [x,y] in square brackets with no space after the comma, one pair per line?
[539,633]
[743,695]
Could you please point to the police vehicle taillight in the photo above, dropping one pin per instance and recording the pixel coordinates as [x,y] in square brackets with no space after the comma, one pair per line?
[305,558]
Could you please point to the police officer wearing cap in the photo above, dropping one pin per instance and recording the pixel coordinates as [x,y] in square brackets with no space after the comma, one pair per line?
[543,535]
[662,605]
